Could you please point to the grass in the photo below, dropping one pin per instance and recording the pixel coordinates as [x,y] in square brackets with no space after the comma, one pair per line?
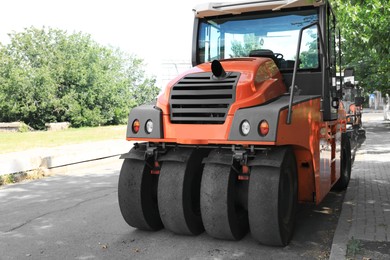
[353,247]
[13,142]
[7,179]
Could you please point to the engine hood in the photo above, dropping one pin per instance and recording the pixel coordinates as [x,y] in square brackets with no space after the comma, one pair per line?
[248,82]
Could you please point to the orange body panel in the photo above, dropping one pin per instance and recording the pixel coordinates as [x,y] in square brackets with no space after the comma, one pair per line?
[317,148]
[259,82]
[303,133]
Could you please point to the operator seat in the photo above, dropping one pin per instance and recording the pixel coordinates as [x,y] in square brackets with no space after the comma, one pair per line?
[265,53]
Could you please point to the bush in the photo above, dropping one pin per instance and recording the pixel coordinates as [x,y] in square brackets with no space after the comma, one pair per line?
[48,76]
[23,128]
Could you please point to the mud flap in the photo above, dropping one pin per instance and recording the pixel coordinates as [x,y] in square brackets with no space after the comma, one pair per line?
[223,157]
[272,158]
[136,153]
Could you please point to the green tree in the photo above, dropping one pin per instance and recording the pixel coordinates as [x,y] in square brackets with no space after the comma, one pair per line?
[365,32]
[251,42]
[47,75]
[309,58]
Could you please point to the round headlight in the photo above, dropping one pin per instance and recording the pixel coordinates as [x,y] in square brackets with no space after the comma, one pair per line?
[245,127]
[149,126]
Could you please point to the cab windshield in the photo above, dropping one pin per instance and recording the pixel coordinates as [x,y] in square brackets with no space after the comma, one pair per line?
[268,34]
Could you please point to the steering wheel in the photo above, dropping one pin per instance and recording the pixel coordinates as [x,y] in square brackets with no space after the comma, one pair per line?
[278,56]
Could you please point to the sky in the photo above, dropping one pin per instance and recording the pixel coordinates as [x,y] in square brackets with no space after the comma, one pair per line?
[156,31]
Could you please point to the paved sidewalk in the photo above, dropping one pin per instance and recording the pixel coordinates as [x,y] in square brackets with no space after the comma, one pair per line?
[364,223]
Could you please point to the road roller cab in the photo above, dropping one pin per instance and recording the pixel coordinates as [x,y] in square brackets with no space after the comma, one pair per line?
[352,101]
[254,128]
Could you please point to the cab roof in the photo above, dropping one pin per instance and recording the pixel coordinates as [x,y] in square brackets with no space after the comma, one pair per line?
[214,9]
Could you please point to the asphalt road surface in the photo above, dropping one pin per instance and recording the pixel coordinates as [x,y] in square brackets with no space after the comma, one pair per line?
[76,216]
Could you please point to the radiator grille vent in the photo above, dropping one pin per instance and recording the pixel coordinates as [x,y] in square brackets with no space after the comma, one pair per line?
[200,98]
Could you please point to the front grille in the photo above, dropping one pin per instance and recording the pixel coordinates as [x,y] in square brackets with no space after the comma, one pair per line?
[200,98]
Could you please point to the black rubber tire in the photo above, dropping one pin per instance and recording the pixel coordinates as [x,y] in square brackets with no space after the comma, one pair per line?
[137,190]
[345,164]
[272,200]
[178,195]
[222,217]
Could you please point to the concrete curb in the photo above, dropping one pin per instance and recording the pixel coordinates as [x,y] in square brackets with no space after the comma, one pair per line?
[70,168]
[341,236]
[50,158]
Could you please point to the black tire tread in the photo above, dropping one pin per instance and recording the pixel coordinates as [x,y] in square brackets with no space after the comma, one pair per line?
[178,190]
[135,195]
[218,208]
[345,164]
[264,209]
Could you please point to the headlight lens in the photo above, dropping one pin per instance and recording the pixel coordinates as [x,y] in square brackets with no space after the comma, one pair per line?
[245,127]
[149,126]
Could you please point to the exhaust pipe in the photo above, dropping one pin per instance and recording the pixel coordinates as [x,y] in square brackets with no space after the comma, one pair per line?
[217,69]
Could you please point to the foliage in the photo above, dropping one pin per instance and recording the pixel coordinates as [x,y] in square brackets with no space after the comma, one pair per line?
[353,247]
[12,178]
[365,31]
[49,76]
[23,128]
[251,42]
[309,58]
[7,179]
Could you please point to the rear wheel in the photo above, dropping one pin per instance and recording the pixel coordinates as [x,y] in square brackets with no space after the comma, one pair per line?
[272,200]
[137,195]
[345,164]
[223,216]
[178,194]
